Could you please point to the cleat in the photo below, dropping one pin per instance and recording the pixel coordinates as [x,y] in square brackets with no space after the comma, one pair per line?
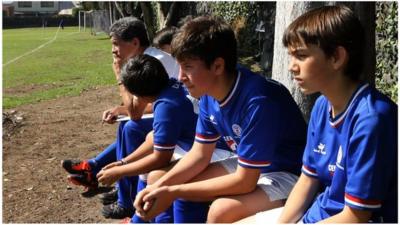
[87,180]
[115,211]
[109,197]
[76,166]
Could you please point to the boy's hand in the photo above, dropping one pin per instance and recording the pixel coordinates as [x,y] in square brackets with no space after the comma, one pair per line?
[109,176]
[110,115]
[111,165]
[136,108]
[155,202]
[139,204]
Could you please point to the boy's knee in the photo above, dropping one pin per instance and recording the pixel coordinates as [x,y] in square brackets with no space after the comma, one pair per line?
[154,176]
[220,212]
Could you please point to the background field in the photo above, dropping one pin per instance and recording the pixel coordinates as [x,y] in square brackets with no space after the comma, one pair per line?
[71,63]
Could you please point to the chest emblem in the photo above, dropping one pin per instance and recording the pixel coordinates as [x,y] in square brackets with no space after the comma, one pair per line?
[320,149]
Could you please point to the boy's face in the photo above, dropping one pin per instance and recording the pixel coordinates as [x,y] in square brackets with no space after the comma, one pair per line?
[197,78]
[310,67]
[122,50]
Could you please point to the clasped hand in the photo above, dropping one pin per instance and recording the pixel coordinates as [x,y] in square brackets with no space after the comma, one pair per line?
[152,201]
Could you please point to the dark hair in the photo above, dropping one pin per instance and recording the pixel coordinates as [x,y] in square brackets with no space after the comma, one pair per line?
[164,36]
[128,28]
[144,75]
[184,20]
[329,27]
[206,38]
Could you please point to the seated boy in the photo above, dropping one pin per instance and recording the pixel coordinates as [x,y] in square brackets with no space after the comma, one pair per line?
[352,135]
[257,118]
[163,38]
[128,38]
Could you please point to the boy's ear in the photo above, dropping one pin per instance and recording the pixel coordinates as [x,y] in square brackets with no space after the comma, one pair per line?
[340,58]
[218,66]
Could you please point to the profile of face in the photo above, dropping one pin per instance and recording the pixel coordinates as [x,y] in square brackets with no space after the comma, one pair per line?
[196,76]
[311,69]
[122,50]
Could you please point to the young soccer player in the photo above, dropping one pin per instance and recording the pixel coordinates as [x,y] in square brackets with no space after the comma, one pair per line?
[352,135]
[128,38]
[258,119]
[163,38]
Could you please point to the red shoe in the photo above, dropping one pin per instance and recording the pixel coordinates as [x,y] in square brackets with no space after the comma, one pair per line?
[76,166]
[87,180]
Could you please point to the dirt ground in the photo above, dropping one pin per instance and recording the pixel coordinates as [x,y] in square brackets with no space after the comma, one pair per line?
[35,188]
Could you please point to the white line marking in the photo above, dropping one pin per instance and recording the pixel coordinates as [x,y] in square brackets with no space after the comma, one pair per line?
[34,50]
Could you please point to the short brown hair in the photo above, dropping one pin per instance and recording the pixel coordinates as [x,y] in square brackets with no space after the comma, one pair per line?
[329,27]
[206,38]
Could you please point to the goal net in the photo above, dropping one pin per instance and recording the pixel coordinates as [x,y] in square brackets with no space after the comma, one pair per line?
[95,21]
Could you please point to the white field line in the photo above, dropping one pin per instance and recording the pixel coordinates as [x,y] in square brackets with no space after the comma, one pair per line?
[34,50]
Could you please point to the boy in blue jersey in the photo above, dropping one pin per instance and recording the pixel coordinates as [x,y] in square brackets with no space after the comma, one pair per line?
[174,119]
[256,117]
[129,38]
[352,135]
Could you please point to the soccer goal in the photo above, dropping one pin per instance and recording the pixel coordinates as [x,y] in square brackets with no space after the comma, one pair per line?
[95,21]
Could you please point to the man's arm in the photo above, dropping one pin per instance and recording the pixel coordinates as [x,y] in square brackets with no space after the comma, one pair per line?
[300,199]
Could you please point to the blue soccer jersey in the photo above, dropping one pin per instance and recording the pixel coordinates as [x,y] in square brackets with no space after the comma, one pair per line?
[355,155]
[174,119]
[259,121]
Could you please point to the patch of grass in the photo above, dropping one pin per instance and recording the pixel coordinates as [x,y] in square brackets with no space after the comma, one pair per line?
[73,62]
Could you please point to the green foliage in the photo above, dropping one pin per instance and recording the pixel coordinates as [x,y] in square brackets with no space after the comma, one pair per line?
[72,63]
[242,16]
[386,48]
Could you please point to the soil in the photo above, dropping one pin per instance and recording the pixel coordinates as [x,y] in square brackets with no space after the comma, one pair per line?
[36,138]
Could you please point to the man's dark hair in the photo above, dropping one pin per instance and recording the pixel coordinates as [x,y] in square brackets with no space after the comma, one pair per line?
[329,27]
[206,38]
[128,28]
[164,36]
[144,76]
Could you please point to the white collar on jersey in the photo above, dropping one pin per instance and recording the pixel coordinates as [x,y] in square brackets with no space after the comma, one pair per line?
[226,100]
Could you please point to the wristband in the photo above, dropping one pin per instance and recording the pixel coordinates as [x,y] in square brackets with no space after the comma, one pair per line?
[123,162]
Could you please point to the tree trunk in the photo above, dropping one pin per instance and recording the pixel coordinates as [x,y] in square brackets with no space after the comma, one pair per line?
[286,12]
[148,18]
[119,9]
[172,11]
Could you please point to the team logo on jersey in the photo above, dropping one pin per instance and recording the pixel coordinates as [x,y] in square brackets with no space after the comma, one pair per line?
[237,130]
[320,149]
[339,158]
[212,119]
[230,142]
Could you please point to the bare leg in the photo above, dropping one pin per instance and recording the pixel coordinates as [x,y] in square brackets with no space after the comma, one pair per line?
[233,208]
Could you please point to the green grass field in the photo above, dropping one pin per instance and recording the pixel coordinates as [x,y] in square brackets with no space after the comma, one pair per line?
[73,62]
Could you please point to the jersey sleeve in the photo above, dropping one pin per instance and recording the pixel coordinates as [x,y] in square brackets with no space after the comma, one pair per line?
[205,130]
[370,162]
[166,126]
[260,134]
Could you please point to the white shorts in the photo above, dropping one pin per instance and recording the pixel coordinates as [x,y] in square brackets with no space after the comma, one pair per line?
[218,155]
[277,185]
